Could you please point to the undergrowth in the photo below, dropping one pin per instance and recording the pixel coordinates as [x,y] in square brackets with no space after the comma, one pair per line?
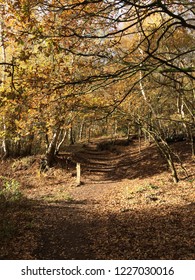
[10,190]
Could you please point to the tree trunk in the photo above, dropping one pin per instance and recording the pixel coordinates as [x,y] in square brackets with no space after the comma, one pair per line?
[81,129]
[50,153]
[164,148]
[172,168]
[139,137]
[6,142]
[115,129]
[28,149]
[6,147]
[89,133]
[71,138]
[192,141]
[166,152]
[58,145]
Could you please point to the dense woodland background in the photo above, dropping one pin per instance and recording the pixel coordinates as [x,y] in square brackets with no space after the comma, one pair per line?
[78,69]
[75,72]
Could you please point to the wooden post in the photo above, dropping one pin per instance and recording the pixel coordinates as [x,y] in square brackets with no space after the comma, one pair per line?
[78,179]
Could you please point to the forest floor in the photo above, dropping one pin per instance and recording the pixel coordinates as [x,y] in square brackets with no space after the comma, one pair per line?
[127,206]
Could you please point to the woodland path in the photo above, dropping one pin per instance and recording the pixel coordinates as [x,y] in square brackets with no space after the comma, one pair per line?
[100,223]
[126,208]
[86,216]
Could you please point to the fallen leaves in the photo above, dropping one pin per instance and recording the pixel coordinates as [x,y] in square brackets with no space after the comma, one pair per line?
[141,216]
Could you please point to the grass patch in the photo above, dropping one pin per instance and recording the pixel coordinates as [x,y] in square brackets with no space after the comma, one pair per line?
[147,188]
[58,197]
[152,187]
[131,193]
[141,190]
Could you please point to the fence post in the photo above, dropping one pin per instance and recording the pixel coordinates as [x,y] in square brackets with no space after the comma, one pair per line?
[78,179]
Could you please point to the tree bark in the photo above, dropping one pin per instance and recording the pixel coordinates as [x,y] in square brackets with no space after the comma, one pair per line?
[166,152]
[50,153]
[6,142]
[81,129]
[58,145]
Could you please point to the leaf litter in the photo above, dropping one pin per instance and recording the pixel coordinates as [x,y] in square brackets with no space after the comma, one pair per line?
[130,211]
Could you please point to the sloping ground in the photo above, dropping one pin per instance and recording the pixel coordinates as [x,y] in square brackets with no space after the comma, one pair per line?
[126,208]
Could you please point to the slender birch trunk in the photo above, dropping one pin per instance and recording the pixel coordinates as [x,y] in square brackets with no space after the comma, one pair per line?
[63,137]
[50,153]
[157,136]
[5,144]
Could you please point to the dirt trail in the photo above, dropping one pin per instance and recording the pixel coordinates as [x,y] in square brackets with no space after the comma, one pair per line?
[107,219]
[126,208]
[76,223]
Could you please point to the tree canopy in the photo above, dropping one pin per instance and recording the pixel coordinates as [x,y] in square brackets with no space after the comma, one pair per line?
[74,69]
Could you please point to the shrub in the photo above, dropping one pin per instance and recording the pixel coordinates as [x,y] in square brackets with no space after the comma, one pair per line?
[23,163]
[10,190]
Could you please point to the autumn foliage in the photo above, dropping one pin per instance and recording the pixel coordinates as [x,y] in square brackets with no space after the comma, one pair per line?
[72,70]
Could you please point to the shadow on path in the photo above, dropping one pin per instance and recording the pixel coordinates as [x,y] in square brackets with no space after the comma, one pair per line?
[62,230]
